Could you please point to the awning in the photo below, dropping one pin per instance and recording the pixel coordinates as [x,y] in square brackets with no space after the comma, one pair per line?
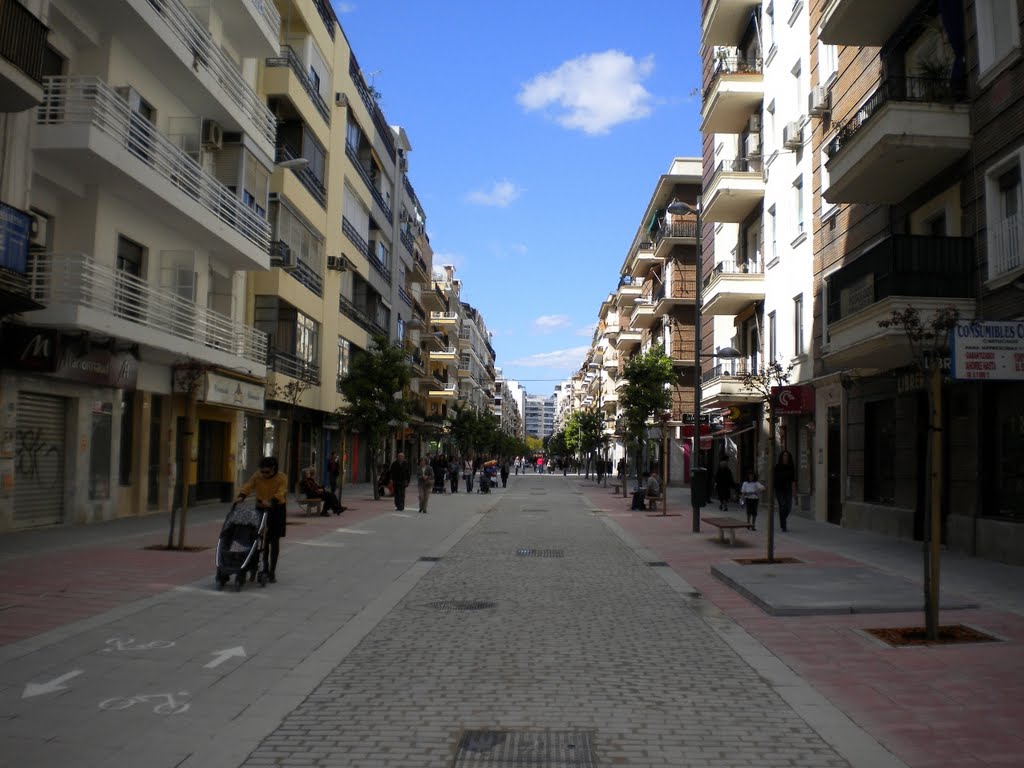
[653,223]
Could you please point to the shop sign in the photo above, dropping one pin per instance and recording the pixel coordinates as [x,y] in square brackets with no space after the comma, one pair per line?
[30,349]
[987,351]
[45,351]
[793,400]
[234,393]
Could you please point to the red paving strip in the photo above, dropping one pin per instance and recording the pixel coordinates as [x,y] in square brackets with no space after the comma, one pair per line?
[932,707]
[42,592]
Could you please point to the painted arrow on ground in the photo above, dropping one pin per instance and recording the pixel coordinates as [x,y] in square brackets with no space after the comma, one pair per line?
[222,656]
[57,684]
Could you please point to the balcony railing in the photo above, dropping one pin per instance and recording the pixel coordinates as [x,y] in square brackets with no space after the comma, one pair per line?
[1006,246]
[353,156]
[296,267]
[735,165]
[439,317]
[406,241]
[270,15]
[348,308]
[208,54]
[382,269]
[90,101]
[289,58]
[323,7]
[294,366]
[22,38]
[405,297]
[309,179]
[349,230]
[379,121]
[76,280]
[684,229]
[903,265]
[733,65]
[919,90]
[732,369]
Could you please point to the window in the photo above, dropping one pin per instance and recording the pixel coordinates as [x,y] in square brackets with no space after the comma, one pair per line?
[826,206]
[401,329]
[124,473]
[772,253]
[307,335]
[879,451]
[344,356]
[772,347]
[352,135]
[828,62]
[1005,217]
[292,229]
[798,325]
[798,89]
[998,31]
[129,256]
[798,204]
[769,27]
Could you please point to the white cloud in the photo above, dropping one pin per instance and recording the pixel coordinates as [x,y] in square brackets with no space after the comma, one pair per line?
[548,323]
[500,195]
[560,358]
[587,330]
[592,93]
[344,7]
[445,257]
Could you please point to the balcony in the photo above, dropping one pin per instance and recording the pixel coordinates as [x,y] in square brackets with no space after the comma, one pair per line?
[627,338]
[304,273]
[736,189]
[305,175]
[641,263]
[444,318]
[643,313]
[22,46]
[445,391]
[725,21]
[166,34]
[294,367]
[924,272]
[80,294]
[907,132]
[353,312]
[732,287]
[722,385]
[445,355]
[870,23]
[676,291]
[258,25]
[735,93]
[465,341]
[371,186]
[85,127]
[465,368]
[405,297]
[671,234]
[286,74]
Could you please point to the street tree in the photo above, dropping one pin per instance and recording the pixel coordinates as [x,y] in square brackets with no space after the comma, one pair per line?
[373,391]
[929,345]
[462,426]
[647,391]
[583,433]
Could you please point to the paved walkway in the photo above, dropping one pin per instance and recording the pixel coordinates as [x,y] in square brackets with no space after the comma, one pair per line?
[543,622]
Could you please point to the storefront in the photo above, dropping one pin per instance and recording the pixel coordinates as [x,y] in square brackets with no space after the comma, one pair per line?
[794,406]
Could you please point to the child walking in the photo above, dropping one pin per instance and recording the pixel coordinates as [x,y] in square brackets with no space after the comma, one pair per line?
[750,492]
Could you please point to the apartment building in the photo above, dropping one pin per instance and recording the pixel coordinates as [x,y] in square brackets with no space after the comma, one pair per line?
[504,407]
[539,416]
[477,374]
[917,156]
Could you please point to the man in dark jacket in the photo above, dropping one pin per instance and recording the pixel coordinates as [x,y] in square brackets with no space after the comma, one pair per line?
[400,475]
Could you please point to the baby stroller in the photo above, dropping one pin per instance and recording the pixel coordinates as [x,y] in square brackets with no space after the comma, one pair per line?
[440,480]
[485,481]
[240,545]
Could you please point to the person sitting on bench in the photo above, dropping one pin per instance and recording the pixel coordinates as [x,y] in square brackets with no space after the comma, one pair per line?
[640,494]
[652,488]
[313,490]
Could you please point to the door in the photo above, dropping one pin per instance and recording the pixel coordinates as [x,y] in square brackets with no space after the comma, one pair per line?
[213,441]
[835,465]
[131,298]
[39,460]
[153,478]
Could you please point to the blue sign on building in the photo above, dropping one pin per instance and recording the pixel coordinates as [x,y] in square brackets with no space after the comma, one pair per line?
[15,231]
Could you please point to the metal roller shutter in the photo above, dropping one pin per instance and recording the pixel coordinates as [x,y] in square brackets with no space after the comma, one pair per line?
[39,466]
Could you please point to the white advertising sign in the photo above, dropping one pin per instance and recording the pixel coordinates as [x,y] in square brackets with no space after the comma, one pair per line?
[988,351]
[234,393]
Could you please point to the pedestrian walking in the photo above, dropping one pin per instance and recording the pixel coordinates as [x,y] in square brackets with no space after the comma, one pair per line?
[453,474]
[271,489]
[467,475]
[333,469]
[750,492]
[724,483]
[784,485]
[400,475]
[504,473]
[425,479]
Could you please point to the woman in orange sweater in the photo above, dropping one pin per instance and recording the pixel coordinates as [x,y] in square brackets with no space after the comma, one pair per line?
[271,489]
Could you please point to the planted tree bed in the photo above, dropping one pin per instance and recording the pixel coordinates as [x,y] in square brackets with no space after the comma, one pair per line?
[949,634]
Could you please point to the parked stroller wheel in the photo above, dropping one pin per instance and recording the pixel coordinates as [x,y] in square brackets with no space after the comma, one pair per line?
[239,581]
[221,580]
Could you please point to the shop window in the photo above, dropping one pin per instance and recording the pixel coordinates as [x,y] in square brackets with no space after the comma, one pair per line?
[879,450]
[124,473]
[99,451]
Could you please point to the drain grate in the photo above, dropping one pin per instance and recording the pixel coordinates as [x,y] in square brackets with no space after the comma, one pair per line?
[508,749]
[460,605]
[428,559]
[658,564]
[529,552]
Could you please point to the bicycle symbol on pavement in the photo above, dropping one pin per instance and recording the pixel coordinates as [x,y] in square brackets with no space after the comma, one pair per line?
[129,644]
[167,704]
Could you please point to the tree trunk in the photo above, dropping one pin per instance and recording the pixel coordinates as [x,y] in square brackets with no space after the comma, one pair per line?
[935,523]
[186,463]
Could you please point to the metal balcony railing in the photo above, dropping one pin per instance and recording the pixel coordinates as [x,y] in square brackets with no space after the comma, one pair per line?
[75,279]
[294,366]
[405,297]
[384,131]
[732,369]
[733,65]
[1007,245]
[323,7]
[309,179]
[686,229]
[736,165]
[90,101]
[349,230]
[270,15]
[305,273]
[920,90]
[22,38]
[406,239]
[290,59]
[378,197]
[729,267]
[444,316]
[207,54]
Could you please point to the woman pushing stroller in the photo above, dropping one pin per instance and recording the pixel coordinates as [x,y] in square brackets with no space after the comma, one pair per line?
[271,489]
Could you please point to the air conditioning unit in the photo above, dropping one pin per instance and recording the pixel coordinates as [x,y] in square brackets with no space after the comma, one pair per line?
[283,256]
[213,135]
[792,135]
[819,101]
[754,145]
[340,100]
[337,263]
[754,124]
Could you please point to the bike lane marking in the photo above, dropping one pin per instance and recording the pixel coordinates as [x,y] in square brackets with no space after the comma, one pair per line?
[57,684]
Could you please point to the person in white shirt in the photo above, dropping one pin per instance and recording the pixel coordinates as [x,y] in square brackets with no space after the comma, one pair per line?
[750,492]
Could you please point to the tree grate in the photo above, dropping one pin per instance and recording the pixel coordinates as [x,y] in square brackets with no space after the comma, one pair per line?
[512,749]
[460,605]
[528,552]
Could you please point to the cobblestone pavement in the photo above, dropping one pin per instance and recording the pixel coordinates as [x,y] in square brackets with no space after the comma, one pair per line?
[580,635]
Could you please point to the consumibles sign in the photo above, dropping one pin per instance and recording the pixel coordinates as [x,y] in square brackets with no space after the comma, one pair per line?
[987,351]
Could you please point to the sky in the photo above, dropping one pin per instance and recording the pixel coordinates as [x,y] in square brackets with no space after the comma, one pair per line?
[539,131]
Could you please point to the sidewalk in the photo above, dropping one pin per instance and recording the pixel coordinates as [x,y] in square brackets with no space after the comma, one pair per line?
[931,706]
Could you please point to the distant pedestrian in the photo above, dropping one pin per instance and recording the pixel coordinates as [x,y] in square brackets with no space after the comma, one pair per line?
[784,485]
[333,469]
[750,492]
[453,474]
[504,473]
[425,480]
[467,475]
[400,475]
[724,483]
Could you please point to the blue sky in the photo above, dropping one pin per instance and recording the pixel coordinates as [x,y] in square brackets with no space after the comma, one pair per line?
[538,133]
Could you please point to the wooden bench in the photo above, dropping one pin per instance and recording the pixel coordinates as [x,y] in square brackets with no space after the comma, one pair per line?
[649,498]
[724,524]
[616,487]
[311,506]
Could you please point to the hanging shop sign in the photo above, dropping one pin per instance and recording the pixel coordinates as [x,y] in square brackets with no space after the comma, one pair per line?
[234,393]
[793,400]
[989,351]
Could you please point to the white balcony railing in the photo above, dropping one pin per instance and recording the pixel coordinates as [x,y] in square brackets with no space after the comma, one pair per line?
[76,280]
[444,317]
[207,54]
[1007,244]
[90,101]
[270,15]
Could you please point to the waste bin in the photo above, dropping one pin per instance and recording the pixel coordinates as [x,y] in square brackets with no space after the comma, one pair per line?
[699,492]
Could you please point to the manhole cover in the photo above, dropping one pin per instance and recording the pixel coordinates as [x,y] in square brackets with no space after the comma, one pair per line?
[428,559]
[509,749]
[460,605]
[528,552]
[658,564]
